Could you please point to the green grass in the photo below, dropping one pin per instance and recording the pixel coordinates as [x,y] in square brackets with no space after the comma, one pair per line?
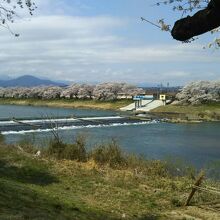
[105,105]
[205,111]
[47,188]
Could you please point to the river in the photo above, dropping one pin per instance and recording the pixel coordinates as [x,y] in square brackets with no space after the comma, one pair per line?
[196,144]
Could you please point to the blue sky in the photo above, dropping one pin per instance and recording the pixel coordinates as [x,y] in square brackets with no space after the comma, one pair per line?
[102,41]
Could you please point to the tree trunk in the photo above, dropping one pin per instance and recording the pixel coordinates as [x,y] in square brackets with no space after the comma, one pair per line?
[203,21]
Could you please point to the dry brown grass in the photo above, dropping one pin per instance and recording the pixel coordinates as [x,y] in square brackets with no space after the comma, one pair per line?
[109,184]
[65,189]
[64,103]
[203,112]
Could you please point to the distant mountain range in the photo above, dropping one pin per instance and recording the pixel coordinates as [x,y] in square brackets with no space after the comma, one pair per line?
[28,81]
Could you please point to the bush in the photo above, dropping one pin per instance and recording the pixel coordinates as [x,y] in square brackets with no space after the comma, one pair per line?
[2,138]
[176,202]
[177,167]
[212,170]
[75,151]
[27,144]
[110,154]
[56,149]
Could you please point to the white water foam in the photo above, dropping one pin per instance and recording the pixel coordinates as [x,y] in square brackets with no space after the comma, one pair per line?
[11,122]
[80,127]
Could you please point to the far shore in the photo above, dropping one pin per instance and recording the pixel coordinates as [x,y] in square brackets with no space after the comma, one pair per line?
[175,113]
[68,103]
[186,113]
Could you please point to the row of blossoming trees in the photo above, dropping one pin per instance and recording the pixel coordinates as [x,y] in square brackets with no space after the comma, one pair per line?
[105,91]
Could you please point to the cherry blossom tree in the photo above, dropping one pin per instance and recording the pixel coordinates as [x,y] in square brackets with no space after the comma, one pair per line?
[205,18]
[9,11]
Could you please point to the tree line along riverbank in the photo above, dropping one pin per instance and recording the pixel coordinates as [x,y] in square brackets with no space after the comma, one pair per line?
[197,101]
[65,181]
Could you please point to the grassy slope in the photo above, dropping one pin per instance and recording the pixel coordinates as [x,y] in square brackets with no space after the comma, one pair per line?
[203,111]
[34,188]
[110,105]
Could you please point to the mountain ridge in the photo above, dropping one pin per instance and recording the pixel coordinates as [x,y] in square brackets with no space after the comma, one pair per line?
[28,81]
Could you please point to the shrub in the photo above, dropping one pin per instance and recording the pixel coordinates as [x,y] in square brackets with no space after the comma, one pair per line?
[156,168]
[27,144]
[76,151]
[176,202]
[110,154]
[2,138]
[212,170]
[177,167]
[56,149]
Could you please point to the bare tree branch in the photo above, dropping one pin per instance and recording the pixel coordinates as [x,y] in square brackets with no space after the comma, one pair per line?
[9,11]
[203,21]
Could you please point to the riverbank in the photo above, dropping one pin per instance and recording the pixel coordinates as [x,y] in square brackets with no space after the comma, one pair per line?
[175,113]
[43,187]
[67,103]
[187,113]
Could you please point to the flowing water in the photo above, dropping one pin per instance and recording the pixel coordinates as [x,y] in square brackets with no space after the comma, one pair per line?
[197,144]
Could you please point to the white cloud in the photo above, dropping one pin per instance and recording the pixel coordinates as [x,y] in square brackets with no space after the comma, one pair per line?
[88,49]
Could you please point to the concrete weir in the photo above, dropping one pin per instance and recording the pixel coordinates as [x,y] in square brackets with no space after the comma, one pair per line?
[40,125]
[147,105]
[152,105]
[132,106]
